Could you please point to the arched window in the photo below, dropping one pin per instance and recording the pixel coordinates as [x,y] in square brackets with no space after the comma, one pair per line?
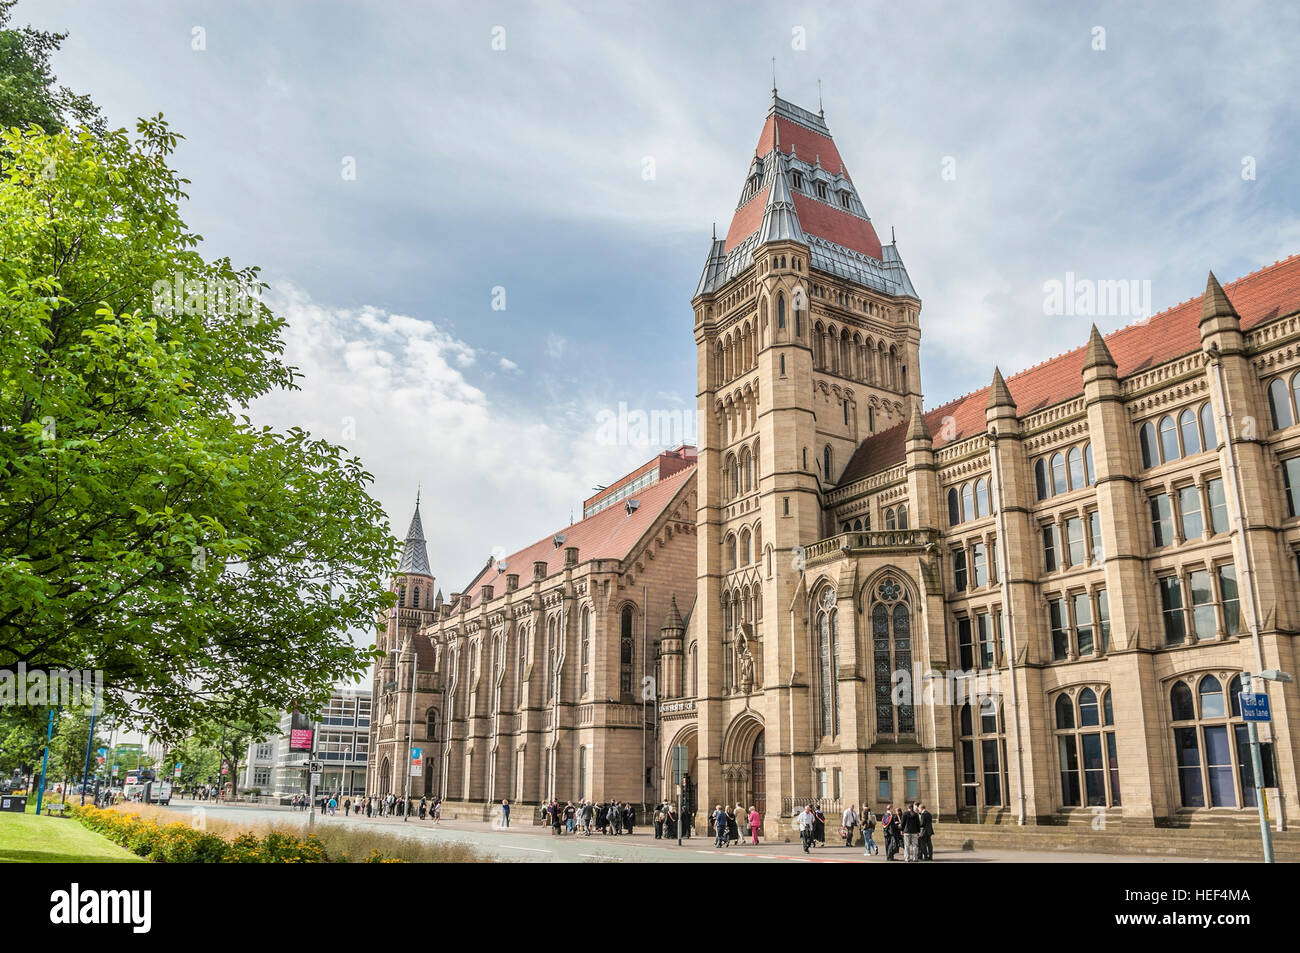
[828,627]
[431,724]
[1040,478]
[1211,745]
[857,526]
[889,519]
[1077,479]
[902,516]
[416,600]
[1209,432]
[552,656]
[1087,751]
[1190,432]
[1168,439]
[954,507]
[967,502]
[780,310]
[627,652]
[891,649]
[731,551]
[1150,451]
[1059,482]
[586,650]
[982,497]
[1090,472]
[693,673]
[983,754]
[523,659]
[826,463]
[745,556]
[1279,403]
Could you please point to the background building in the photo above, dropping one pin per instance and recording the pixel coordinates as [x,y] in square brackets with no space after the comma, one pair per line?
[342,742]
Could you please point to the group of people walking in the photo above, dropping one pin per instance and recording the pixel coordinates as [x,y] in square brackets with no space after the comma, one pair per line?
[910,830]
[730,822]
[604,817]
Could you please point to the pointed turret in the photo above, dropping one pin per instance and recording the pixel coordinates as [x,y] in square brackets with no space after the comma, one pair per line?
[1215,304]
[999,393]
[1097,354]
[415,555]
[916,426]
[673,621]
[780,221]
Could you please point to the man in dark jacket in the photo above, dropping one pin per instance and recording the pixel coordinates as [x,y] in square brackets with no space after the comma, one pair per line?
[927,832]
[911,824]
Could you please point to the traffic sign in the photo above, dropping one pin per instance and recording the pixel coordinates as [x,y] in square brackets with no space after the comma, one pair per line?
[1254,707]
[315,778]
[315,767]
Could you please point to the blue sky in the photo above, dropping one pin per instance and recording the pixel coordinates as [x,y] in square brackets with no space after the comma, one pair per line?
[522,168]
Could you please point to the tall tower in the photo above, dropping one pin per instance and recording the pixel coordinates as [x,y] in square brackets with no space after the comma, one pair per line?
[408,664]
[808,341]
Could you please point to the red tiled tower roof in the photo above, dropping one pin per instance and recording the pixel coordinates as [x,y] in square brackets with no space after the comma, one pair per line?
[1269,293]
[790,131]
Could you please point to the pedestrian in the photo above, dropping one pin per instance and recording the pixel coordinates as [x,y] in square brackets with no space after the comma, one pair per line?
[755,822]
[505,812]
[437,810]
[890,828]
[868,832]
[807,827]
[733,827]
[911,824]
[570,817]
[629,818]
[720,825]
[347,806]
[332,804]
[659,822]
[424,807]
[926,842]
[848,824]
[819,826]
[742,821]
[614,818]
[588,810]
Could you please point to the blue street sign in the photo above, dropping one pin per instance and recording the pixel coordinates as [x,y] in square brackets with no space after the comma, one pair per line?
[1254,707]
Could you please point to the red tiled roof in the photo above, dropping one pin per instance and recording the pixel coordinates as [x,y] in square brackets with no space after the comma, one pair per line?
[806,144]
[836,225]
[610,534]
[1271,292]
[747,219]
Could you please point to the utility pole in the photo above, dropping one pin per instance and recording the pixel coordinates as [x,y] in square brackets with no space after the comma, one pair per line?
[90,740]
[410,741]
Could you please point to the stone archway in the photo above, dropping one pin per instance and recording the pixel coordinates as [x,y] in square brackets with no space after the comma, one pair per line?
[744,763]
[687,738]
[385,777]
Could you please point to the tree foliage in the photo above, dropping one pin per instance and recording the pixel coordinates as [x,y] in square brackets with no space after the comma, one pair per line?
[28,92]
[209,567]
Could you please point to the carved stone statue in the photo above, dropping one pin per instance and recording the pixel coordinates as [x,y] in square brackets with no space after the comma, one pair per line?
[745,660]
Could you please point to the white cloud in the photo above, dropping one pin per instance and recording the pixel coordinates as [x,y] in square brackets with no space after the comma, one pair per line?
[497,472]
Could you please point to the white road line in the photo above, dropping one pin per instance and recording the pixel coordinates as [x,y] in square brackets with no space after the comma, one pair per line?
[535,850]
[601,856]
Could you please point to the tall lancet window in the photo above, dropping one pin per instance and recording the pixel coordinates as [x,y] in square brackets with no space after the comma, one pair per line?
[627,651]
[828,643]
[891,648]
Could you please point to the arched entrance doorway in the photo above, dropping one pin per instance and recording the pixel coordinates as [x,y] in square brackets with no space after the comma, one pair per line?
[385,778]
[758,775]
[679,757]
[743,755]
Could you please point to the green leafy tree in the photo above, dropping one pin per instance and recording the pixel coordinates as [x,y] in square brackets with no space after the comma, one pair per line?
[198,759]
[28,92]
[210,568]
[68,748]
[22,738]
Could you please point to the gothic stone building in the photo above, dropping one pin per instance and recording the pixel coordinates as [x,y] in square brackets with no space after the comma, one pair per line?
[1035,602]
[533,689]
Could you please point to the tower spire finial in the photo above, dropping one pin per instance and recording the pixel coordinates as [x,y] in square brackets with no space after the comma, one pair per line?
[774,80]
[820,111]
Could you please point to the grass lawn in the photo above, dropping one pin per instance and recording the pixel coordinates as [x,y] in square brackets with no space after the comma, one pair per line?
[26,838]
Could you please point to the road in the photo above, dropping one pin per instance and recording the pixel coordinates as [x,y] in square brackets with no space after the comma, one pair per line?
[530,843]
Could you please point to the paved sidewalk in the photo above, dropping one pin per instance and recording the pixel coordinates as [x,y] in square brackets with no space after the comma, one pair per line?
[528,842]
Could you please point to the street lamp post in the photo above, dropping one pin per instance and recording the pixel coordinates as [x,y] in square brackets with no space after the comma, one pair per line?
[1257,762]
[410,739]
